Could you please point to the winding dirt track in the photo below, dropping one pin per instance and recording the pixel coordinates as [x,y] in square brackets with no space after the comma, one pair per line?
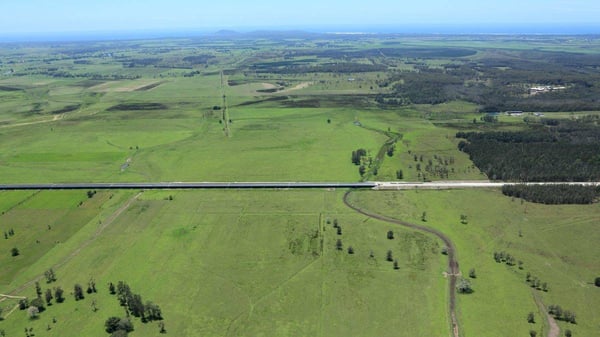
[453,270]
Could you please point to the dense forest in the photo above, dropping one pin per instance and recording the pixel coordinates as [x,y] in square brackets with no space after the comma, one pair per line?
[553,194]
[550,151]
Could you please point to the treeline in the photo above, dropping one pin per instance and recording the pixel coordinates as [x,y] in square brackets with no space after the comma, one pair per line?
[555,194]
[569,151]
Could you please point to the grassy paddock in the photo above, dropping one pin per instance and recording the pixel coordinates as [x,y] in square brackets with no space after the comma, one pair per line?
[556,244]
[250,262]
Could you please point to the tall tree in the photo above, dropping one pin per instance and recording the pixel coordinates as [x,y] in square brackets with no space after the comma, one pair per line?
[38,290]
[78,292]
[48,296]
[389,256]
[58,295]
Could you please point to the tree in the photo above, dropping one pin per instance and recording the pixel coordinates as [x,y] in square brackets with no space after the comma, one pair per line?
[123,292]
[38,303]
[48,296]
[399,175]
[338,244]
[530,318]
[125,325]
[532,333]
[389,257]
[463,219]
[390,151]
[472,273]
[390,235]
[136,306]
[112,324]
[424,216]
[33,312]
[464,286]
[14,251]
[597,282]
[362,170]
[161,327]
[38,290]
[339,230]
[58,295]
[111,288]
[23,304]
[396,266]
[350,250]
[568,333]
[78,292]
[153,312]
[335,223]
[569,316]
[50,276]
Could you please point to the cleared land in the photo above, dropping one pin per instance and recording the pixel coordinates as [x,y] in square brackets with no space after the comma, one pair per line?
[242,264]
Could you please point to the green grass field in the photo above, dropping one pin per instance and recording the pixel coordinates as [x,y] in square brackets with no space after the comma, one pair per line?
[243,263]
[557,245]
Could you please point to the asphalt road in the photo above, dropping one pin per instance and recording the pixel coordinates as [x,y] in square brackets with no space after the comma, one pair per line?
[183,185]
[377,185]
[386,185]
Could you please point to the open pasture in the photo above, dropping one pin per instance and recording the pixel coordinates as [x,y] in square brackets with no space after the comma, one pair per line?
[245,263]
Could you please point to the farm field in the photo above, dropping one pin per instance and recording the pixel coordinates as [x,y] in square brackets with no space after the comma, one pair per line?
[235,263]
[555,243]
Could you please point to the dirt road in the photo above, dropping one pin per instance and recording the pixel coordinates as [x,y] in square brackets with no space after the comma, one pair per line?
[453,269]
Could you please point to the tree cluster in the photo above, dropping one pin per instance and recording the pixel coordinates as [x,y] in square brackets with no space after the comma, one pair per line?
[10,233]
[504,257]
[358,156]
[114,324]
[135,305]
[563,315]
[536,283]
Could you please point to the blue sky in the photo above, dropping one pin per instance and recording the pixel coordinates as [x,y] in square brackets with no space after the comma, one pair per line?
[48,16]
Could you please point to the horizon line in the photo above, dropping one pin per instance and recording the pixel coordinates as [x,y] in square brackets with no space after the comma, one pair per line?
[340,29]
